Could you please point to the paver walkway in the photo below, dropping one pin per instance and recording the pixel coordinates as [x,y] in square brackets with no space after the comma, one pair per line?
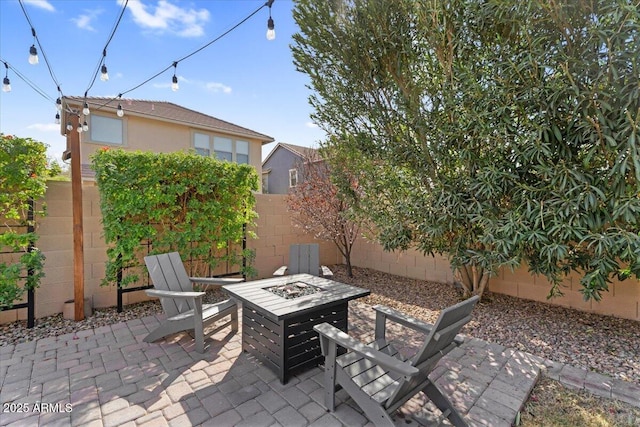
[109,377]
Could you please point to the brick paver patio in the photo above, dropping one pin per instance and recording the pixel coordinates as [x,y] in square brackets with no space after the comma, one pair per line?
[109,377]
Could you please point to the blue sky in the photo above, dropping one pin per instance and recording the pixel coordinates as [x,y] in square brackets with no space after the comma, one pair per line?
[243,78]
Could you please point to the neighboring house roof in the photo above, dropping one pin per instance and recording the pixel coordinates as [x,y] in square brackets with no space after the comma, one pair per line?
[168,111]
[302,152]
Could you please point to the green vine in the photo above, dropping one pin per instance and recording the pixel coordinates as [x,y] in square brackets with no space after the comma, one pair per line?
[23,175]
[181,202]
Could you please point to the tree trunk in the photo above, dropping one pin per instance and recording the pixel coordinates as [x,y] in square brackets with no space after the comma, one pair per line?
[473,279]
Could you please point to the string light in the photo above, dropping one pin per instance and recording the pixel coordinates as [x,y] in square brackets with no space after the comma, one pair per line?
[79,129]
[85,126]
[102,67]
[104,76]
[57,118]
[69,126]
[85,108]
[6,84]
[33,52]
[271,32]
[120,111]
[174,80]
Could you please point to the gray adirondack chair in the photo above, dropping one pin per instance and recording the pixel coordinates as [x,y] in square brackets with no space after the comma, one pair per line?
[304,258]
[377,377]
[183,307]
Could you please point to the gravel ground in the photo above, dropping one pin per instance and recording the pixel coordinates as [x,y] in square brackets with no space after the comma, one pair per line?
[598,343]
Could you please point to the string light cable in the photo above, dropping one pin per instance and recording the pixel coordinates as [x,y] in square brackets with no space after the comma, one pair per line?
[25,79]
[174,64]
[101,67]
[37,40]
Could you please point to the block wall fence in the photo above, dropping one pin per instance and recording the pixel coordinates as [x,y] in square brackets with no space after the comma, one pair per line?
[275,234]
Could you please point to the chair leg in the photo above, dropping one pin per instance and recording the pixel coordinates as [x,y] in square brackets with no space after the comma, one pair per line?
[329,348]
[198,327]
[441,401]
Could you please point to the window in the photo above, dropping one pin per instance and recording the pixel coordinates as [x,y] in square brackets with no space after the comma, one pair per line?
[242,152]
[201,144]
[293,177]
[223,147]
[106,129]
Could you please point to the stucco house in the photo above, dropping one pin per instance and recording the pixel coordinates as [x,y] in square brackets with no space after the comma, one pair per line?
[280,168]
[160,126]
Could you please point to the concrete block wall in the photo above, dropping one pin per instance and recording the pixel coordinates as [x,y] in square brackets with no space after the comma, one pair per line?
[274,229]
[622,300]
[275,234]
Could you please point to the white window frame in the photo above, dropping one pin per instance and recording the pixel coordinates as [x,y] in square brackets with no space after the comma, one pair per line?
[240,148]
[94,127]
[293,182]
[200,150]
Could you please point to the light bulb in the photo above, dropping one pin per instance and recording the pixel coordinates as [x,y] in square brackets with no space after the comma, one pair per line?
[6,85]
[104,76]
[85,126]
[59,104]
[57,118]
[174,83]
[120,111]
[33,55]
[271,32]
[79,129]
[69,126]
[85,110]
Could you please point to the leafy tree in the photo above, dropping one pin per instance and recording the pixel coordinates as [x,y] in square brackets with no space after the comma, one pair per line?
[319,209]
[496,132]
[23,173]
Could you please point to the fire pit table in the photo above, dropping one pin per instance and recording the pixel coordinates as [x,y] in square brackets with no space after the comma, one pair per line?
[278,316]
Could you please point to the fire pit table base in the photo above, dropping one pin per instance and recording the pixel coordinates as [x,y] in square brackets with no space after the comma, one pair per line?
[291,344]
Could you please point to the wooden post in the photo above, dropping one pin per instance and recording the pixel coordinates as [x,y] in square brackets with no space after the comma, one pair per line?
[73,144]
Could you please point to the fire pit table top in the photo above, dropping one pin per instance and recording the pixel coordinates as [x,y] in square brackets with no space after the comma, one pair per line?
[278,307]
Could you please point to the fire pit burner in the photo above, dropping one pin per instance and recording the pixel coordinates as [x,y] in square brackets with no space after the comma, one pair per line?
[293,290]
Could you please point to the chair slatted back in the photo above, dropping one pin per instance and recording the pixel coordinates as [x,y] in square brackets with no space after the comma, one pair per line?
[304,258]
[167,273]
[437,344]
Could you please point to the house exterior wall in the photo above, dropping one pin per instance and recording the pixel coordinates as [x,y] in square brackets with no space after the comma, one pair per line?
[147,134]
[280,161]
[275,234]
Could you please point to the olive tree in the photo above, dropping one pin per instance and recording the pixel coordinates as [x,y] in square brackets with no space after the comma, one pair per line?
[495,132]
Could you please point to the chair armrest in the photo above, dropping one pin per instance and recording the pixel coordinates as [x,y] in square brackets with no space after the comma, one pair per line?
[174,294]
[281,271]
[389,362]
[405,320]
[216,280]
[326,271]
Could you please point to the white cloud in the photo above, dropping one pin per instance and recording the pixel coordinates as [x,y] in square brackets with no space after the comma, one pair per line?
[45,127]
[84,21]
[42,4]
[311,125]
[167,17]
[214,87]
[217,87]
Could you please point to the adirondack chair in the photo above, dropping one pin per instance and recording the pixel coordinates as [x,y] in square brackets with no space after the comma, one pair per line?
[183,307]
[304,258]
[377,377]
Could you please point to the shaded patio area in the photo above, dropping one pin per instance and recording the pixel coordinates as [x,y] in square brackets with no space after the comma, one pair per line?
[110,377]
